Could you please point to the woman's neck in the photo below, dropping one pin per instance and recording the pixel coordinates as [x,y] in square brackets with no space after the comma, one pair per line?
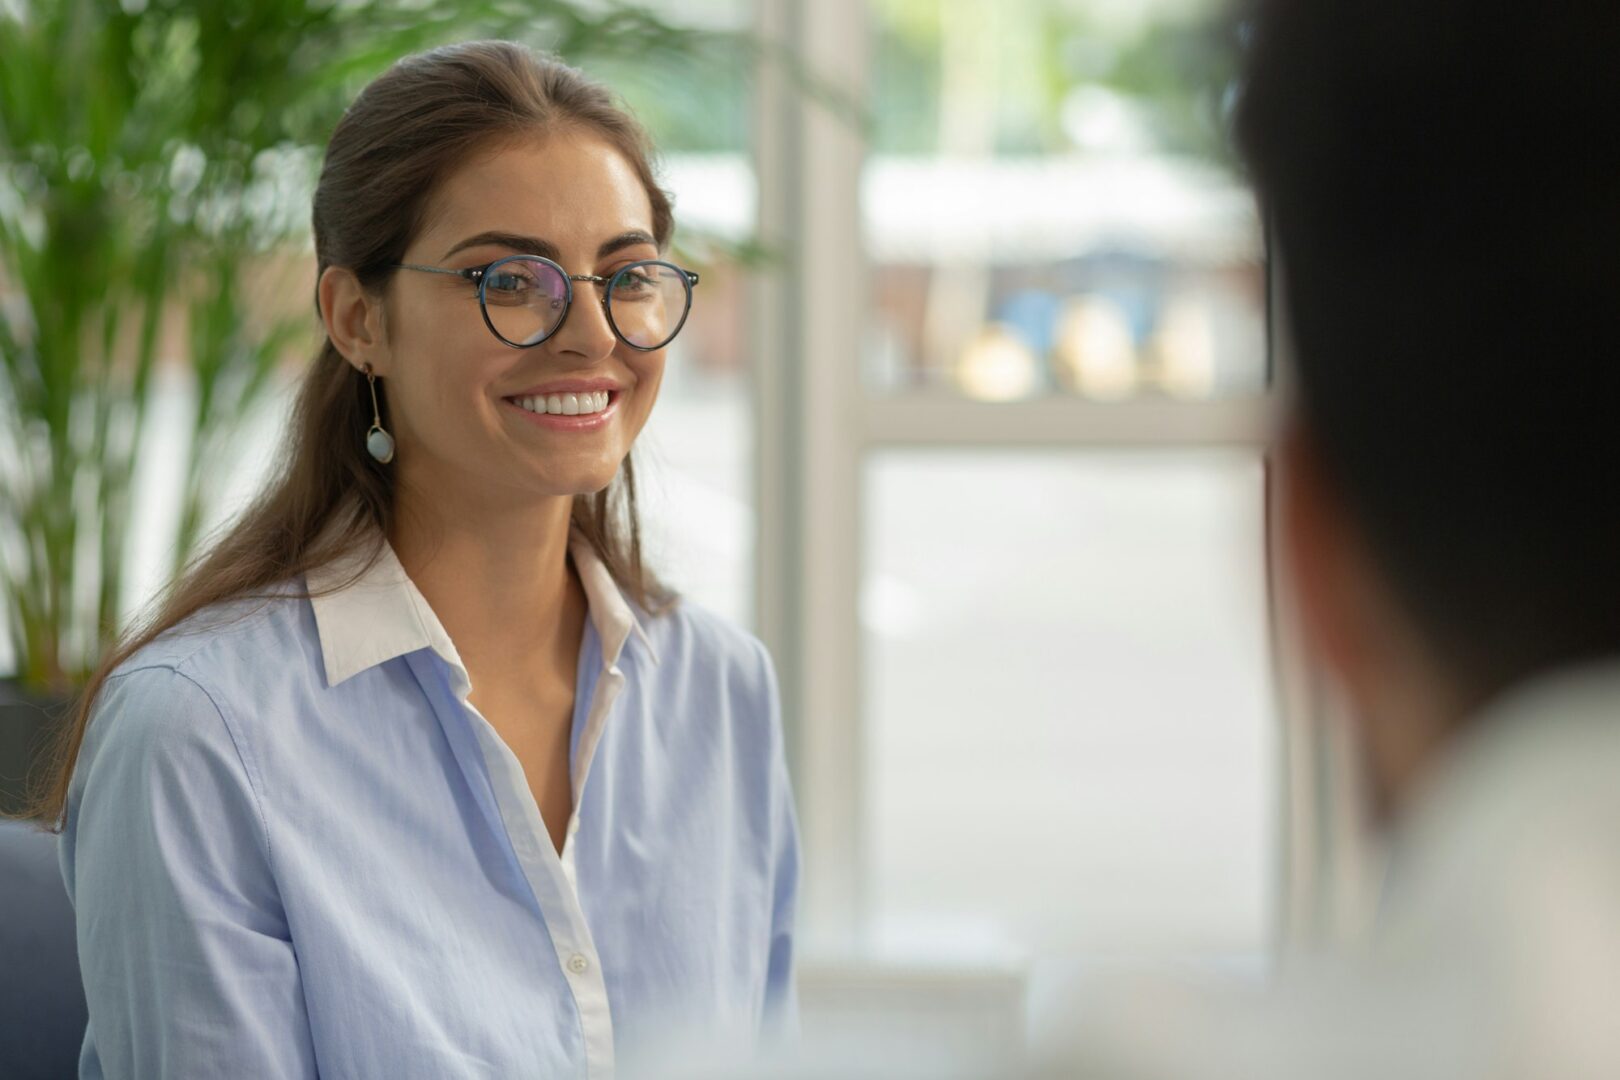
[499,580]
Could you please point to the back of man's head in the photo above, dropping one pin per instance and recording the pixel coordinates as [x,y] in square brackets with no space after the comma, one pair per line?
[1443,179]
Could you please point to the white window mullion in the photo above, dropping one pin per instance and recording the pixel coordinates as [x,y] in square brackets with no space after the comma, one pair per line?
[809,529]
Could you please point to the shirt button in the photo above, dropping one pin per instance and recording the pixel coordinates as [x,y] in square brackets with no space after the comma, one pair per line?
[573,826]
[578,964]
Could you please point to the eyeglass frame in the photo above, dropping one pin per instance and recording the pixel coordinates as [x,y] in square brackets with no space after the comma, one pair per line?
[479,275]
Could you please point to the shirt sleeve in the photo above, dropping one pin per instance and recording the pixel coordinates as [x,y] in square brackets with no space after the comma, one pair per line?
[188,964]
[781,1015]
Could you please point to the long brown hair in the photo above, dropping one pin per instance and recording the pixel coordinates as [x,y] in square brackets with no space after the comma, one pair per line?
[396,143]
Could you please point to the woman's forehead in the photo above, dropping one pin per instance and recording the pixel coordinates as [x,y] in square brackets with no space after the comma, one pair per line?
[574,190]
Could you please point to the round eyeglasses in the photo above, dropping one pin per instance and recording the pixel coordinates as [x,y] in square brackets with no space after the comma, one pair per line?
[525,298]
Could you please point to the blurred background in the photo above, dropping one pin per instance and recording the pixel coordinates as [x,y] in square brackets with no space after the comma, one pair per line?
[970,425]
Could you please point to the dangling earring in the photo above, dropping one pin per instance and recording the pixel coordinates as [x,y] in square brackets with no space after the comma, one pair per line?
[379,444]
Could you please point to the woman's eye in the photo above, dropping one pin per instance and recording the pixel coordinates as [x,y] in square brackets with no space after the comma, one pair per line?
[507,282]
[632,283]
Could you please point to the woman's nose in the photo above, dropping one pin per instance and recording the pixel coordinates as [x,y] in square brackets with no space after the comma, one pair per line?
[585,329]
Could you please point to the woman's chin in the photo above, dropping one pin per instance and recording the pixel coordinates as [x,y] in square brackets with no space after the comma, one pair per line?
[576,483]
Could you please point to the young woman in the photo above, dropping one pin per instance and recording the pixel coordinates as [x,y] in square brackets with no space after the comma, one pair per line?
[417,772]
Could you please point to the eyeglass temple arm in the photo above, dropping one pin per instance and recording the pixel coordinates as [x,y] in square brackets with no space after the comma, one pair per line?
[471,273]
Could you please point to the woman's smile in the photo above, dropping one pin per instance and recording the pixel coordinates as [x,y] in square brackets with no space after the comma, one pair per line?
[563,410]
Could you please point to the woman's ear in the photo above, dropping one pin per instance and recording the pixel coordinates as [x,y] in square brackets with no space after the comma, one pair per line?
[1326,576]
[353,319]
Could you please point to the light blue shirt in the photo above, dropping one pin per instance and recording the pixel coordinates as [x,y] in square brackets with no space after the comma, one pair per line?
[295,847]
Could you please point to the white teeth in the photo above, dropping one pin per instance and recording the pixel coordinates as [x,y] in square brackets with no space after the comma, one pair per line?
[565,404]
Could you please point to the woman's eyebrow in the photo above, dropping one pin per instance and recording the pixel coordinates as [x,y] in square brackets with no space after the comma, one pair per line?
[624,240]
[522,245]
[533,245]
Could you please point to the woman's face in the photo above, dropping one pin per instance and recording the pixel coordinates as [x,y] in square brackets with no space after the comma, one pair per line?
[454,390]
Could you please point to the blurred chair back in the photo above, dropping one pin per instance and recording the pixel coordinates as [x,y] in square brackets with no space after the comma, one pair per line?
[42,1010]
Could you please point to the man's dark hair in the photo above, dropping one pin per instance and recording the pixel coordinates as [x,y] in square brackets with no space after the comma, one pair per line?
[1443,182]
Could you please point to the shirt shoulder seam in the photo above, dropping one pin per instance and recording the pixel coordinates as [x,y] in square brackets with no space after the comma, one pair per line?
[243,758]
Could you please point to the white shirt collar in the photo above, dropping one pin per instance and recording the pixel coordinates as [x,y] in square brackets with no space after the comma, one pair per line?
[382,614]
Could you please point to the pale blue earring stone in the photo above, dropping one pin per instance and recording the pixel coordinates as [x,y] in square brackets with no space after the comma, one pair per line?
[380,445]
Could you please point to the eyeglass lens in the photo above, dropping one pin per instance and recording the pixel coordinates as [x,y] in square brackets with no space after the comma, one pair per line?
[525,300]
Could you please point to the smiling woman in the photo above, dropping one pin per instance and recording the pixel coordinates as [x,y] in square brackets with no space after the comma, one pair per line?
[418,771]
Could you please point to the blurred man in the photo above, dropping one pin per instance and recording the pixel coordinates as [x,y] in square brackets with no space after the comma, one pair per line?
[1443,179]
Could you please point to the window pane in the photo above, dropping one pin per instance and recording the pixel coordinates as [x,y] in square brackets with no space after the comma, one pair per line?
[694,475]
[1069,720]
[1052,205]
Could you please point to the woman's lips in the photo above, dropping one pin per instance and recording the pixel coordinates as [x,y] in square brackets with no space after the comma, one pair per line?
[577,424]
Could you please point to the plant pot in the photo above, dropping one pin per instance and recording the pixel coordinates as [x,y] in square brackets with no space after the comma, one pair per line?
[26,724]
